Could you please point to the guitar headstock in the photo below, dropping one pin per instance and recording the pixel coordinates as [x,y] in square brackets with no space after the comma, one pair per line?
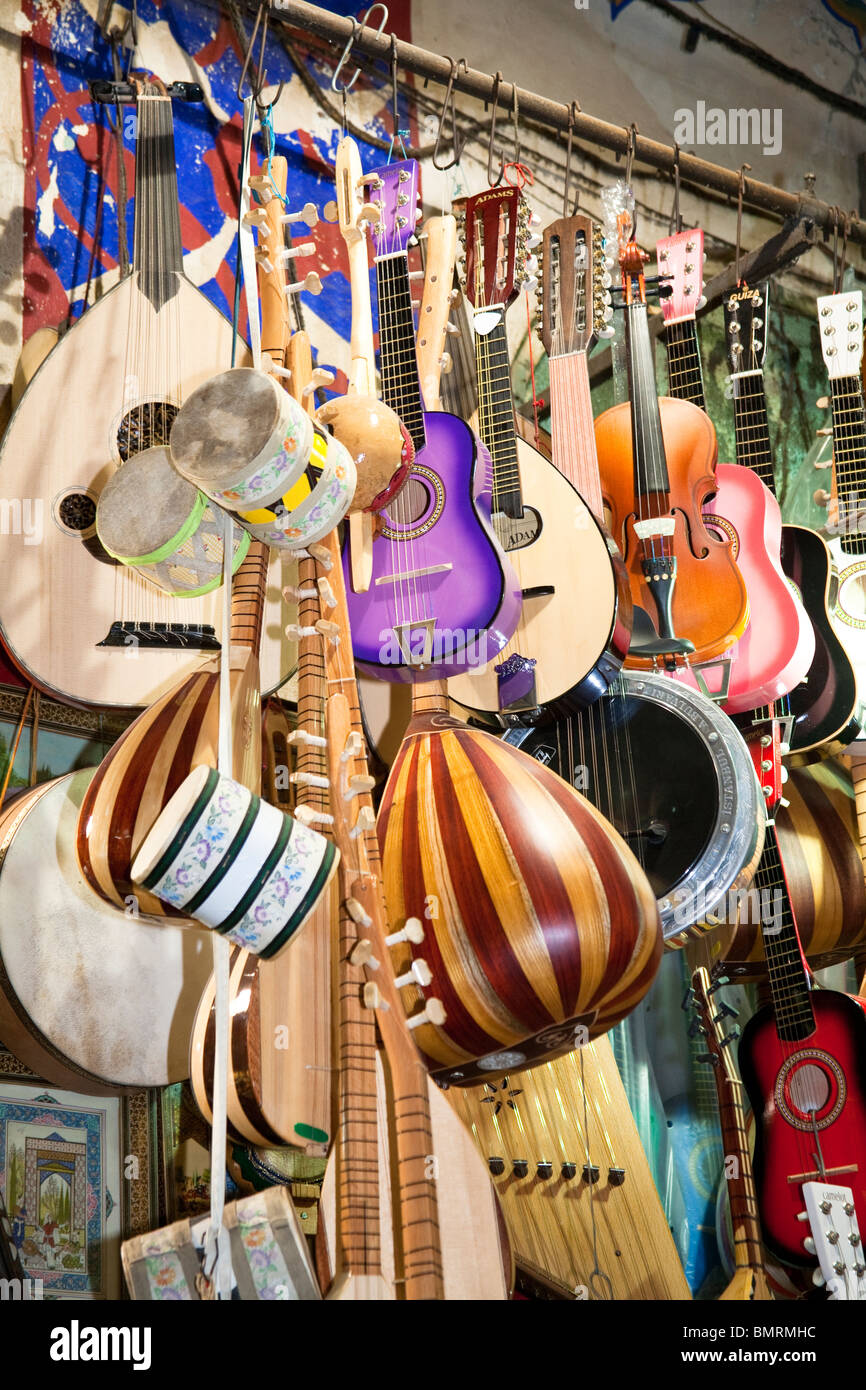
[394,193]
[681,260]
[836,1238]
[840,320]
[574,286]
[767,744]
[747,317]
[712,1018]
[353,209]
[497,236]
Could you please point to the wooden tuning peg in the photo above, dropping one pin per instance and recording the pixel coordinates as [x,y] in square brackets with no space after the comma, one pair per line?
[358,786]
[262,187]
[362,954]
[373,997]
[311,284]
[419,973]
[366,822]
[358,913]
[320,377]
[353,748]
[412,931]
[433,1012]
[308,213]
[331,212]
[370,212]
[326,593]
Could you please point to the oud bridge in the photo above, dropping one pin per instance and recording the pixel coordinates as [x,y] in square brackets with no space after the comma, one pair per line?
[164,636]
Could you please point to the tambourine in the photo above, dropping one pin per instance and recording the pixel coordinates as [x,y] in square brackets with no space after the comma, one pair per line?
[313,505]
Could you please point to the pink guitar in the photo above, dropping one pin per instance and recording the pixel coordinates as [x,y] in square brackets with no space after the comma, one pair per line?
[777,648]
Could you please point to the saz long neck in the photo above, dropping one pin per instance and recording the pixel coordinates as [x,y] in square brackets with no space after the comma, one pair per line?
[571,428]
[849,458]
[786,966]
[496,409]
[650,464]
[158,251]
[401,387]
[748,1252]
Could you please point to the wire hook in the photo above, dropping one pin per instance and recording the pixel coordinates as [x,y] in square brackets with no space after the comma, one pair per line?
[258,81]
[676,223]
[740,192]
[357,24]
[567,210]
[456,145]
[632,133]
[494,182]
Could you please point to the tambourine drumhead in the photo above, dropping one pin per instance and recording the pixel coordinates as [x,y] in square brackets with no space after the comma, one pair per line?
[144,505]
[113,995]
[225,424]
[673,775]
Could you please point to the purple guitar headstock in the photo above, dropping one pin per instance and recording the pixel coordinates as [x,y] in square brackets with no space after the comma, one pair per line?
[395,193]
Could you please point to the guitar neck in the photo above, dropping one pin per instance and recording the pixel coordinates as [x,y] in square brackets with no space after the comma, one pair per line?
[401,387]
[248,597]
[571,428]
[685,374]
[739,1176]
[786,966]
[752,427]
[650,464]
[849,458]
[496,409]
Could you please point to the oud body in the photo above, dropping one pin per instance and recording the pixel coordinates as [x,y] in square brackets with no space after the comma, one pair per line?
[710,606]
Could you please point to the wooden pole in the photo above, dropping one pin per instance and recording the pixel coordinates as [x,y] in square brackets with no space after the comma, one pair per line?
[18,734]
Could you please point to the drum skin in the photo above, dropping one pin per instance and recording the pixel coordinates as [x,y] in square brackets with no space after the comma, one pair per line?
[91,997]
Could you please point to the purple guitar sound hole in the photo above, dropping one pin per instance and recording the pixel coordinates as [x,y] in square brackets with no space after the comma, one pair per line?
[418,507]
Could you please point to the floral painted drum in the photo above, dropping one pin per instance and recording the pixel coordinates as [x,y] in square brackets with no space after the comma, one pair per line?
[241,438]
[157,523]
[234,863]
[314,505]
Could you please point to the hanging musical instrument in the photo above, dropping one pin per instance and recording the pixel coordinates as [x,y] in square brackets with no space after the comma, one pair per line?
[577,1193]
[91,998]
[778,647]
[657,759]
[657,461]
[749,1281]
[85,628]
[832,1214]
[575,622]
[436,593]
[803,1062]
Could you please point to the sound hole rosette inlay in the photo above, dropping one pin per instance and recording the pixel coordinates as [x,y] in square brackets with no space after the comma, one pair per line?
[810,1090]
[421,503]
[673,775]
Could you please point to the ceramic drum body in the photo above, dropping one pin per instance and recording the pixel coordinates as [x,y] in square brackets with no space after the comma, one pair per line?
[242,439]
[160,525]
[313,505]
[222,855]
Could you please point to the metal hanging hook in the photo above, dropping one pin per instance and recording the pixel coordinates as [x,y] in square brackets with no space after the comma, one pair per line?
[497,82]
[633,133]
[676,223]
[740,192]
[357,24]
[567,209]
[259,79]
[448,100]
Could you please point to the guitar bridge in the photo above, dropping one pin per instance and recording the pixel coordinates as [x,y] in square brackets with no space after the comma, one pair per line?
[167,636]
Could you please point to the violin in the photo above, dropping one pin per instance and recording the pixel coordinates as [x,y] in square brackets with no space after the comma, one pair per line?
[657,460]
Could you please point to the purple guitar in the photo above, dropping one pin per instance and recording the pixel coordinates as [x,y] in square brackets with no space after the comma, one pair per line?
[443,597]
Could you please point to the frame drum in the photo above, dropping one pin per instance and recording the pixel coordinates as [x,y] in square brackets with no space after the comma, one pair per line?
[152,519]
[673,775]
[90,998]
[314,505]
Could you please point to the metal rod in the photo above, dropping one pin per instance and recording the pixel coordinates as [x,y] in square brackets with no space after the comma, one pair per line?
[470,82]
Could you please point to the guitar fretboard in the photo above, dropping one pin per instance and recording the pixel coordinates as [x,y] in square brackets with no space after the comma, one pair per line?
[650,464]
[496,415]
[849,460]
[685,376]
[789,987]
[752,427]
[401,388]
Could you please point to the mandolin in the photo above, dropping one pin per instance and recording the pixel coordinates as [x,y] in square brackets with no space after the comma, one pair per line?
[436,591]
[576,617]
[85,628]
[750,1280]
[657,461]
[776,650]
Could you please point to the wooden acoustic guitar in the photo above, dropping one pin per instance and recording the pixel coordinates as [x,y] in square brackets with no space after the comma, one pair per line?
[83,627]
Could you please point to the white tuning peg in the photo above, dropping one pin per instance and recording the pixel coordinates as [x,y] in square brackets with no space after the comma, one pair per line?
[362,954]
[445,362]
[371,181]
[533,241]
[530,284]
[433,1012]
[531,266]
[326,593]
[366,821]
[818,1279]
[307,815]
[261,184]
[320,553]
[607,333]
[412,931]
[263,259]
[373,997]
[702,303]
[295,632]
[273,368]
[607,313]
[329,630]
[353,748]
[358,913]
[358,785]
[802,1216]
[821,496]
[372,213]
[534,220]
[783,775]
[416,274]
[419,973]
[256,217]
[606,281]
[320,377]
[301,248]
[291,591]
[311,284]
[309,213]
[308,740]
[809,1245]
[309,779]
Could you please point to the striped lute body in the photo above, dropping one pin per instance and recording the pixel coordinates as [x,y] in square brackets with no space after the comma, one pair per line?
[541,927]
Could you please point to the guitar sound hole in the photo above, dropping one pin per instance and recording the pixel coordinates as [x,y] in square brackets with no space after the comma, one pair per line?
[809,1089]
[77,511]
[144,427]
[412,502]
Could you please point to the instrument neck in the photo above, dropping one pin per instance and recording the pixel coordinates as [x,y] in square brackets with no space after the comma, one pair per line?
[158,250]
[248,598]
[752,427]
[748,1253]
[685,374]
[401,387]
[496,408]
[786,967]
[650,464]
[571,428]
[849,459]
[430,697]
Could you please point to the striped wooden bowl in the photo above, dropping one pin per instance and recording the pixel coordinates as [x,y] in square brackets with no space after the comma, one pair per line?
[541,929]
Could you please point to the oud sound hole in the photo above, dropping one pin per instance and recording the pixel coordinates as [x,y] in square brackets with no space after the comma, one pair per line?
[809,1089]
[144,427]
[77,511]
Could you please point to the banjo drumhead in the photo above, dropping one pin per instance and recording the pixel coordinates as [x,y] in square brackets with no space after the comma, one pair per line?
[113,995]
[225,424]
[144,505]
[673,776]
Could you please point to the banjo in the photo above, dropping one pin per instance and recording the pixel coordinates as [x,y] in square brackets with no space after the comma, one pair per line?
[86,628]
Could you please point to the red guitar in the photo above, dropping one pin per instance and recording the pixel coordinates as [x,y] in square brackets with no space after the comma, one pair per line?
[802,1059]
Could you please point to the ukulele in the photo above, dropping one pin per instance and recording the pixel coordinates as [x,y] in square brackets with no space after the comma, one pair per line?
[750,1280]
[775,652]
[802,1058]
[99,634]
[436,591]
[575,621]
[657,461]
[824,707]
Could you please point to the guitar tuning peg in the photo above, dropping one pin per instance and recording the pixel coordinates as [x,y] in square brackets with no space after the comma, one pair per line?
[821,496]
[606,333]
[362,954]
[531,266]
[413,931]
[311,284]
[263,259]
[262,187]
[809,1245]
[530,284]
[719,983]
[358,913]
[353,748]
[308,740]
[688,999]
[446,363]
[256,217]
[818,1279]
[308,815]
[302,248]
[730,1037]
[419,973]
[330,630]
[372,213]
[358,785]
[331,212]
[534,220]
[309,213]
[320,377]
[326,593]
[273,368]
[433,1012]
[365,822]
[701,304]
[533,241]
[319,553]
[452,329]
[372,997]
